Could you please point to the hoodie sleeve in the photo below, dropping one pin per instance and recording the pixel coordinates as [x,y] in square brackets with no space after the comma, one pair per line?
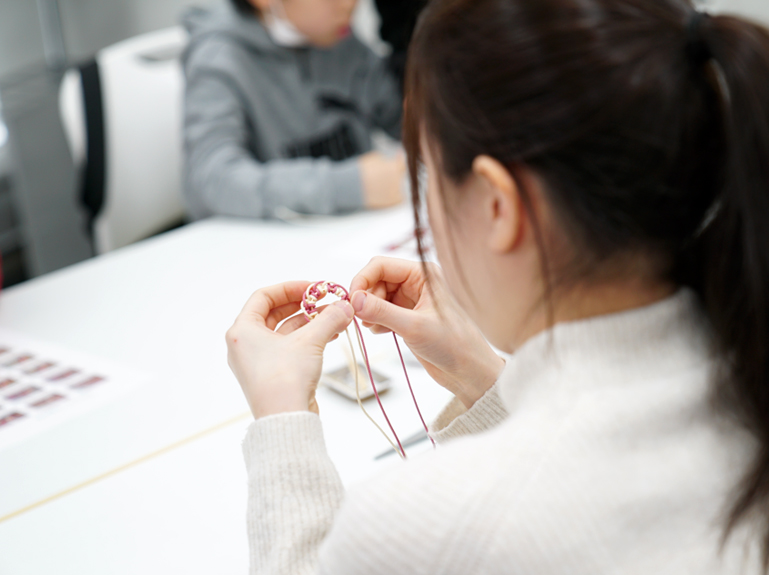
[222,176]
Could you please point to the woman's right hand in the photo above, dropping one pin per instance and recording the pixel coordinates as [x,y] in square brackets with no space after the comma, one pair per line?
[393,295]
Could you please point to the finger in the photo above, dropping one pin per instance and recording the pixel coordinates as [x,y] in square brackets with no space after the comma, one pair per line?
[296,322]
[380,290]
[280,313]
[372,309]
[374,328]
[333,320]
[292,324]
[265,300]
[379,330]
[387,270]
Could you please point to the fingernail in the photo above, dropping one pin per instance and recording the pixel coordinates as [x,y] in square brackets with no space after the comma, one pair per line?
[358,300]
[345,307]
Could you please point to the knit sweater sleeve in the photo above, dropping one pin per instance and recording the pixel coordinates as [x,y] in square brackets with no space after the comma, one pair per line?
[294,492]
[455,420]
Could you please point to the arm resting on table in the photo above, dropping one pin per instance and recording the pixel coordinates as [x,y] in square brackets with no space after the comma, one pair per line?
[223,177]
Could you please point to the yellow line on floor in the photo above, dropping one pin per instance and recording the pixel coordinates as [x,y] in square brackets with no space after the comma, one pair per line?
[125,466]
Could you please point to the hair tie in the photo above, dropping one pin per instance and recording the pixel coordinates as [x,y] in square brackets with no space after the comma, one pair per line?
[697,47]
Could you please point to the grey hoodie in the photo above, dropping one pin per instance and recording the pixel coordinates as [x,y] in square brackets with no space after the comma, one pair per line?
[268,126]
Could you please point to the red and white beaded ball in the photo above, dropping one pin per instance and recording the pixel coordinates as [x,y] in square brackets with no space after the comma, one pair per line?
[316,292]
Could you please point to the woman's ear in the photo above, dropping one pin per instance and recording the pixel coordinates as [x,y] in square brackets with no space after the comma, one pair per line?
[503,208]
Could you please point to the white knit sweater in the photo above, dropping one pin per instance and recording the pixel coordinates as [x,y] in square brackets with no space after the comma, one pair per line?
[611,461]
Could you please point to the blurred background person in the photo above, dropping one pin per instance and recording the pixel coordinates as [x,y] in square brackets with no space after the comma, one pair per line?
[280,105]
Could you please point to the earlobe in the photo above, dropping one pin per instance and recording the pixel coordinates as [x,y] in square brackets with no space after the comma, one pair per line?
[504,209]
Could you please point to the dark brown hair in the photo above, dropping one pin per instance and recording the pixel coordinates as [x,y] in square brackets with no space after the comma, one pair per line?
[245,7]
[649,125]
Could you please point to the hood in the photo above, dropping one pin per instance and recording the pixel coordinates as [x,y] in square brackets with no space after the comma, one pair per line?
[224,20]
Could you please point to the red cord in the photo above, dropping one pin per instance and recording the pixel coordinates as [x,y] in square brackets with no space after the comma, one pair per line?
[317,291]
[373,386]
[411,389]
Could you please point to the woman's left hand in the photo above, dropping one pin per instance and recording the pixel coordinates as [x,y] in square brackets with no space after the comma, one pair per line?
[279,369]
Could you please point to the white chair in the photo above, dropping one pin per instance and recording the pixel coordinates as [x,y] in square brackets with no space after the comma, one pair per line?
[138,161]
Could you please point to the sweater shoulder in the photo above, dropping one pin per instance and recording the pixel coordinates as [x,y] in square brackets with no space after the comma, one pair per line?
[582,486]
[421,511]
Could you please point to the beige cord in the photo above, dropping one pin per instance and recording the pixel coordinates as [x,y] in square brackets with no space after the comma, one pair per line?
[357,389]
[126,466]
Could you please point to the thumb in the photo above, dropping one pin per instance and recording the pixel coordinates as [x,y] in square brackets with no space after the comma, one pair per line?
[373,309]
[333,320]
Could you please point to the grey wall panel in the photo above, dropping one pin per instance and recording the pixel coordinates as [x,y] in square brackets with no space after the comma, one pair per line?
[21,42]
[44,186]
[90,25]
[152,15]
[756,9]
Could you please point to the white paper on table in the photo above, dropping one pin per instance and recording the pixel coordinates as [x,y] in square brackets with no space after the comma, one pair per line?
[43,385]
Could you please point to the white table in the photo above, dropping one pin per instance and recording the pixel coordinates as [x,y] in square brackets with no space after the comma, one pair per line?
[162,306]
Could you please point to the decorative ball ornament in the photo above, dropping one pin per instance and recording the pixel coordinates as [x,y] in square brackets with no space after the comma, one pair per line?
[316,292]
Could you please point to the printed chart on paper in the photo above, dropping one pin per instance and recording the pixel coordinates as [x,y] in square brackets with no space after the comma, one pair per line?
[43,385]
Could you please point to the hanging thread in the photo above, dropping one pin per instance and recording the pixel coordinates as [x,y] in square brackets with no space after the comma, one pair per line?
[317,291]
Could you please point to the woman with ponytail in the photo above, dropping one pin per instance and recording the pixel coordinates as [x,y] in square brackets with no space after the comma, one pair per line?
[598,191]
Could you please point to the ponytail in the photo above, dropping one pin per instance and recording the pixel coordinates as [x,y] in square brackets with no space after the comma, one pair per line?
[734,250]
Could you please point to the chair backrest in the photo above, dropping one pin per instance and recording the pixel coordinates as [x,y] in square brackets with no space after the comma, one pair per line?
[72,113]
[141,96]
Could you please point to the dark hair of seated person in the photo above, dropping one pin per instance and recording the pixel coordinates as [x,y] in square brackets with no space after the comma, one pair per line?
[398,20]
[245,7]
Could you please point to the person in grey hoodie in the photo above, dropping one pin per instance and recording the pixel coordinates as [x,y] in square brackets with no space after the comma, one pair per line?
[281,101]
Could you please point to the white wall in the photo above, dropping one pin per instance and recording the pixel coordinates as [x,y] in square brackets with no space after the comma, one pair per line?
[89,25]
[757,9]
